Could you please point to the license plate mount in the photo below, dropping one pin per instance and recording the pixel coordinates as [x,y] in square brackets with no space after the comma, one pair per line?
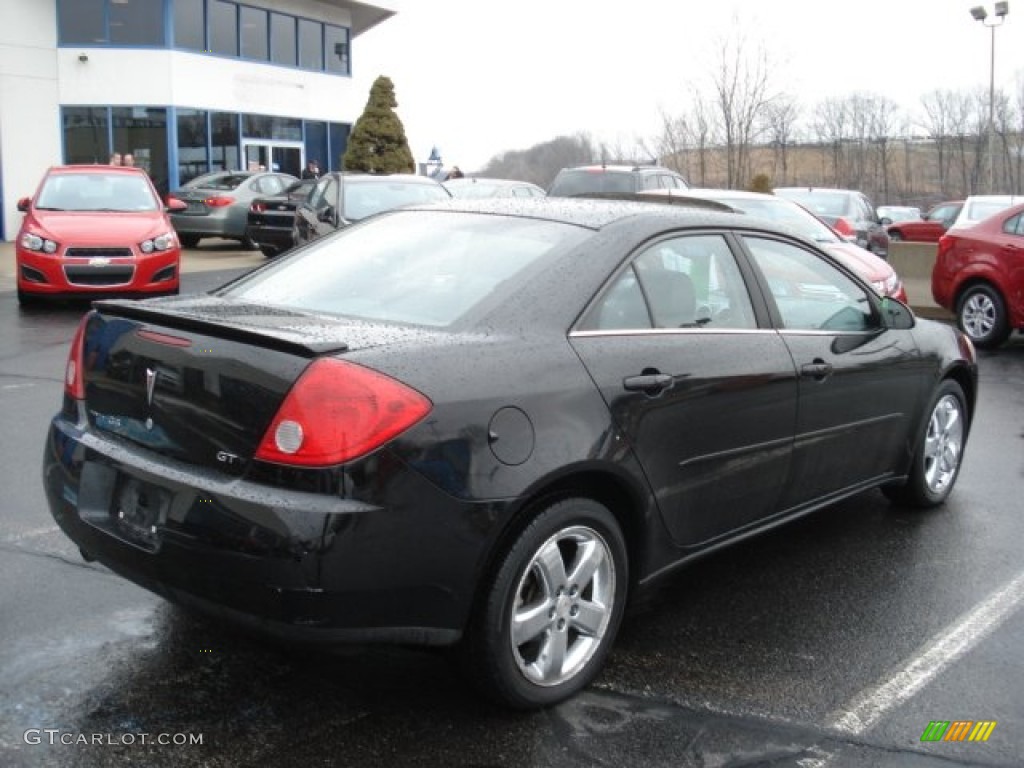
[139,511]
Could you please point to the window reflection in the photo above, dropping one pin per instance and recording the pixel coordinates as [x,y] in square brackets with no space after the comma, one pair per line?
[188,25]
[223,28]
[85,135]
[254,33]
[193,159]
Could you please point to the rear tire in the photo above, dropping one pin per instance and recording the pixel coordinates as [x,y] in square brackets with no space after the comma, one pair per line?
[551,608]
[895,236]
[248,244]
[189,241]
[269,251]
[981,314]
[938,453]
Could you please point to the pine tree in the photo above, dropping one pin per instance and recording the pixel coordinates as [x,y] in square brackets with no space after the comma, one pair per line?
[377,143]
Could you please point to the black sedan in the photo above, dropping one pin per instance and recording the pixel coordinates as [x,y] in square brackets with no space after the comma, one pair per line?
[271,221]
[489,423]
[340,199]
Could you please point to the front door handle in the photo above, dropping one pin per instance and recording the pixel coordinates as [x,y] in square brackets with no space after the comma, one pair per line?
[818,370]
[649,383]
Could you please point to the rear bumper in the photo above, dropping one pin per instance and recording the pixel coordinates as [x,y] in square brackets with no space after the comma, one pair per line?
[274,237]
[300,566]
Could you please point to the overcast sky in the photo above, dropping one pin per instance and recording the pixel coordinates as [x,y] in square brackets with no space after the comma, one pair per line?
[476,77]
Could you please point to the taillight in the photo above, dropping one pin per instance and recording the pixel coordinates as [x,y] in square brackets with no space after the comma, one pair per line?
[338,411]
[258,207]
[946,243]
[219,202]
[844,227]
[74,380]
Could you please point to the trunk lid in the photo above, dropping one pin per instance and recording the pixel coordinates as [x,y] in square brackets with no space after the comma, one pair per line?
[199,379]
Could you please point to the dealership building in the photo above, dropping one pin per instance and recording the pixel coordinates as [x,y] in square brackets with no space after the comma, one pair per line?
[186,86]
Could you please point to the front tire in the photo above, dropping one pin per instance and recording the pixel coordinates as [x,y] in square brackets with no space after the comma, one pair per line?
[939,451]
[895,236]
[551,608]
[981,314]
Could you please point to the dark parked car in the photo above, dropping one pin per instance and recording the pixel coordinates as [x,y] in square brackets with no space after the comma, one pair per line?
[217,204]
[492,422]
[847,211]
[978,275]
[595,180]
[271,220]
[340,199]
[930,227]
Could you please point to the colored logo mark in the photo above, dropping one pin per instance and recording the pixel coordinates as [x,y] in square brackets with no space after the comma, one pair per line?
[958,730]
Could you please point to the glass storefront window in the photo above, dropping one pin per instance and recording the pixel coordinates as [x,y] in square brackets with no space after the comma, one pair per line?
[86,134]
[282,39]
[316,144]
[136,22]
[193,158]
[337,49]
[224,141]
[267,127]
[311,45]
[142,133]
[223,27]
[81,21]
[338,134]
[254,33]
[189,29]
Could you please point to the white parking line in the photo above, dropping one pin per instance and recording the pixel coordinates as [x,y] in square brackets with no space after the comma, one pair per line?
[870,705]
[32,533]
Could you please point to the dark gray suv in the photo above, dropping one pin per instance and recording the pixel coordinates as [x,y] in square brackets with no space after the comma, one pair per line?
[613,179]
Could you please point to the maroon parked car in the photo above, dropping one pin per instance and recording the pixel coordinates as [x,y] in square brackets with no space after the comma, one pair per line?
[979,275]
[931,227]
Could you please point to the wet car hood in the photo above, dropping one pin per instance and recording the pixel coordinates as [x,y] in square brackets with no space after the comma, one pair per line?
[99,228]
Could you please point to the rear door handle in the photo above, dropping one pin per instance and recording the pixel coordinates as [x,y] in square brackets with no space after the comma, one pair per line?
[819,370]
[650,383]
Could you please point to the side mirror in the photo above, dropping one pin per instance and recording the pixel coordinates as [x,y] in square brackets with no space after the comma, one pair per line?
[896,315]
[24,203]
[174,205]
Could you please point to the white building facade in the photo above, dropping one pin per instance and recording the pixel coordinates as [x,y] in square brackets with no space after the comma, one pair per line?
[185,86]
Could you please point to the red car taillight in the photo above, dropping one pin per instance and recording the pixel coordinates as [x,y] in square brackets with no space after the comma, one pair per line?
[74,380]
[219,202]
[844,227]
[946,244]
[338,411]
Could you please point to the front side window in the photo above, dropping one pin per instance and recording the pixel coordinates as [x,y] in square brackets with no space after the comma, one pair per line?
[1014,225]
[810,293]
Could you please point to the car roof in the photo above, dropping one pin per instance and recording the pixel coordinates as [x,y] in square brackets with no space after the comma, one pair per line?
[596,214]
[616,167]
[816,189]
[463,180]
[95,168]
[737,194]
[411,178]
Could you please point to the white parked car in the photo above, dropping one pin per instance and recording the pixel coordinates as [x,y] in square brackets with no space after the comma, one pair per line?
[978,207]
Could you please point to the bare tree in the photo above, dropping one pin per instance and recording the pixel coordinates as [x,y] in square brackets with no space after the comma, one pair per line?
[741,82]
[780,118]
[830,125]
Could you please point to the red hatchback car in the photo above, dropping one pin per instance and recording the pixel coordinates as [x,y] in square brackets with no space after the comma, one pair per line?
[93,230]
[979,275]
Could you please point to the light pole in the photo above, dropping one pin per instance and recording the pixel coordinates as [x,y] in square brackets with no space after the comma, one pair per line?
[979,13]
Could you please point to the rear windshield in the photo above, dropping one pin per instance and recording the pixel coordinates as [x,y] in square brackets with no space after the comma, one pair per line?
[364,199]
[421,267]
[219,181]
[588,181]
[97,192]
[819,201]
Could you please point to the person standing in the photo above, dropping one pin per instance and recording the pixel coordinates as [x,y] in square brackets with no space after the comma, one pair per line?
[115,158]
[312,170]
[128,160]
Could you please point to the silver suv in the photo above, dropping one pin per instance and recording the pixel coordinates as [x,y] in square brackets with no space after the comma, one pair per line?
[613,179]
